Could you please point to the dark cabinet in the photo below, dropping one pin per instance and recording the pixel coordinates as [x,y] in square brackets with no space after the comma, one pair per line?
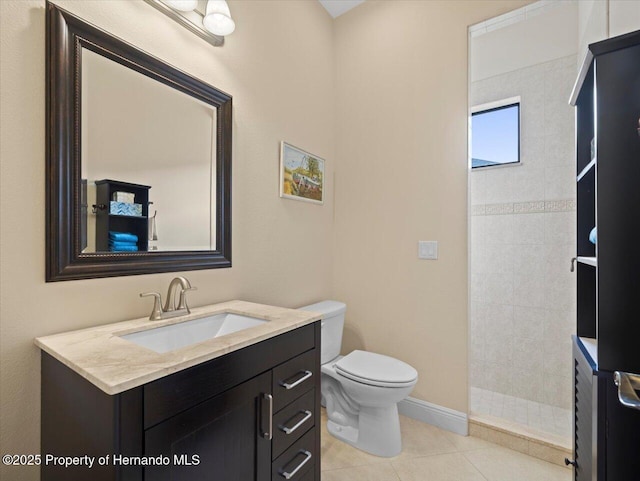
[222,437]
[607,101]
[249,415]
[589,416]
[110,218]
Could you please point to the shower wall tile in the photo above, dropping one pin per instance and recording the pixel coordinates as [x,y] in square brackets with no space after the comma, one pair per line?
[528,290]
[528,384]
[527,355]
[557,391]
[526,183]
[528,322]
[522,239]
[497,288]
[532,149]
[500,258]
[528,229]
[557,149]
[499,229]
[529,261]
[560,182]
[559,227]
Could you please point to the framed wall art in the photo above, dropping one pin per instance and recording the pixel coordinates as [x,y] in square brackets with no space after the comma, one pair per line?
[301,175]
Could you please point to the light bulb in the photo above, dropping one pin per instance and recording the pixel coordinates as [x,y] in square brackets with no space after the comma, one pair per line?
[182,5]
[217,19]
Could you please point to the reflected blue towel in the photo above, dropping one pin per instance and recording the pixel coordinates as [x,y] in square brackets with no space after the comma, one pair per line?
[121,244]
[123,248]
[122,236]
[593,235]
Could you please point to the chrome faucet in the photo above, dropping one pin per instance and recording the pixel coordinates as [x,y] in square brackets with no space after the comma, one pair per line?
[170,309]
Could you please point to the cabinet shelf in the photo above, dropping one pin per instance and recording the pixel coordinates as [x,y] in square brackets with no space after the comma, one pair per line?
[591,261]
[586,170]
[120,216]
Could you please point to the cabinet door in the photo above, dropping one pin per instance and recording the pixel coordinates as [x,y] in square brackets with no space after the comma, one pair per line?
[618,144]
[217,440]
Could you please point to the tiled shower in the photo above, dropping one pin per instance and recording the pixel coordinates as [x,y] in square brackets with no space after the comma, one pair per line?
[522,239]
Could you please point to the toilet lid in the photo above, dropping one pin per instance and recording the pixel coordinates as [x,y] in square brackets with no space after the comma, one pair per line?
[376,369]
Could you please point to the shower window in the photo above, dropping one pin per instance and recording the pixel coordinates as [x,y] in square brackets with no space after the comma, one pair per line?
[495,134]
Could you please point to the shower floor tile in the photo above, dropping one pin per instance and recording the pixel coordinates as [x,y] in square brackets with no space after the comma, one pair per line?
[535,415]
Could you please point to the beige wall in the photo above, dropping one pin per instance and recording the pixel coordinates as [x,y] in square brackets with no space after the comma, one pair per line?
[401,170]
[384,103]
[278,65]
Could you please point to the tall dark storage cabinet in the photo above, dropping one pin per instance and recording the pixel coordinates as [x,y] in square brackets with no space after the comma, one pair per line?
[607,101]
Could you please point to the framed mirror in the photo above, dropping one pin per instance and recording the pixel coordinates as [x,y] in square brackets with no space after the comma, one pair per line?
[138,160]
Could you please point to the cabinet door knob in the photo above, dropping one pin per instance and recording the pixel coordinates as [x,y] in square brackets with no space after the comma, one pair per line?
[573,263]
[568,462]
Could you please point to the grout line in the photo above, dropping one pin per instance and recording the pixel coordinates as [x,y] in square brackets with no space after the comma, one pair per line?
[477,468]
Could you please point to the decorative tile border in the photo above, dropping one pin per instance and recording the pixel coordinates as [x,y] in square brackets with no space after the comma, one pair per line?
[478,209]
[537,206]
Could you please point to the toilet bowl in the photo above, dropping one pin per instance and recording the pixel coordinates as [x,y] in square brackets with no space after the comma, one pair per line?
[361,390]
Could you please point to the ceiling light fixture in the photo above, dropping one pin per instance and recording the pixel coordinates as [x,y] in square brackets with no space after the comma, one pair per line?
[183,5]
[210,21]
[217,18]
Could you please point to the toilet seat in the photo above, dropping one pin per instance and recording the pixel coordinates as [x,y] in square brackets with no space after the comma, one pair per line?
[376,370]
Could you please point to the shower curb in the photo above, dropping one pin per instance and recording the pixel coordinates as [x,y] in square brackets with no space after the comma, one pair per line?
[547,447]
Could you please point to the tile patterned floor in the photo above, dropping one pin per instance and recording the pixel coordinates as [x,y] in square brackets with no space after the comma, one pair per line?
[432,454]
[550,419]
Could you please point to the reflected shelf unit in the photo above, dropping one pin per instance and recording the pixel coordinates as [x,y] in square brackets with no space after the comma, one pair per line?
[106,221]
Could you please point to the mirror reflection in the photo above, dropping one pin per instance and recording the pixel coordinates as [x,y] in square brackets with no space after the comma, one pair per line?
[148,163]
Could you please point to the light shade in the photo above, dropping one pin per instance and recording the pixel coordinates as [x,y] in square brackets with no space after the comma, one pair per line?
[182,5]
[217,18]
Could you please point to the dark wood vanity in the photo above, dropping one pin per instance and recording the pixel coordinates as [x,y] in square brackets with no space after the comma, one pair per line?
[252,414]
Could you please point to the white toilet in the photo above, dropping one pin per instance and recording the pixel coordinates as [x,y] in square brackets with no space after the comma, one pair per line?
[361,390]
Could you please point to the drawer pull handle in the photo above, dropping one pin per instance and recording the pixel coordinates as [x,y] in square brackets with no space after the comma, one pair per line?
[307,375]
[287,430]
[290,475]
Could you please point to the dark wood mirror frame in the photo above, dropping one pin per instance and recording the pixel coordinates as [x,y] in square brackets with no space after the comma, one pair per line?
[66,36]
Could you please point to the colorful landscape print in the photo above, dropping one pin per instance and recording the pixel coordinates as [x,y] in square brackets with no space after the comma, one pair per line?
[302,174]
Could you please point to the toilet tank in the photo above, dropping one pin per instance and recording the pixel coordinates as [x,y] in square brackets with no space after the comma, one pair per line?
[332,325]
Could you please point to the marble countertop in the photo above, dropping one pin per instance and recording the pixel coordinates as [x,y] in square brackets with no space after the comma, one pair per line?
[115,365]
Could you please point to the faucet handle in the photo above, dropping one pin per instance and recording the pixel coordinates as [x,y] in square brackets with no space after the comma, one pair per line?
[156,313]
[182,300]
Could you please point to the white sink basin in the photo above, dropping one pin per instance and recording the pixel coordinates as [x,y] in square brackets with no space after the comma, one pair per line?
[175,336]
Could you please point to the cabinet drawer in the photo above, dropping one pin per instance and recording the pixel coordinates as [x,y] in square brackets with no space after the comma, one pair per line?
[293,378]
[297,461]
[173,394]
[292,422]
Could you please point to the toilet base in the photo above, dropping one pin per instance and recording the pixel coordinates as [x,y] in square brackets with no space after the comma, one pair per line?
[378,431]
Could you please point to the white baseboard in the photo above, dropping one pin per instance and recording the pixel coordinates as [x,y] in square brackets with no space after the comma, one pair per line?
[440,416]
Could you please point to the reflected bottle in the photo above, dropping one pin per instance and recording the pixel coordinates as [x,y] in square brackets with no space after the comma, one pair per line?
[153,233]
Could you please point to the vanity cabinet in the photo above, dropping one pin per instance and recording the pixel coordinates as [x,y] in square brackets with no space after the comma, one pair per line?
[607,101]
[251,414]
